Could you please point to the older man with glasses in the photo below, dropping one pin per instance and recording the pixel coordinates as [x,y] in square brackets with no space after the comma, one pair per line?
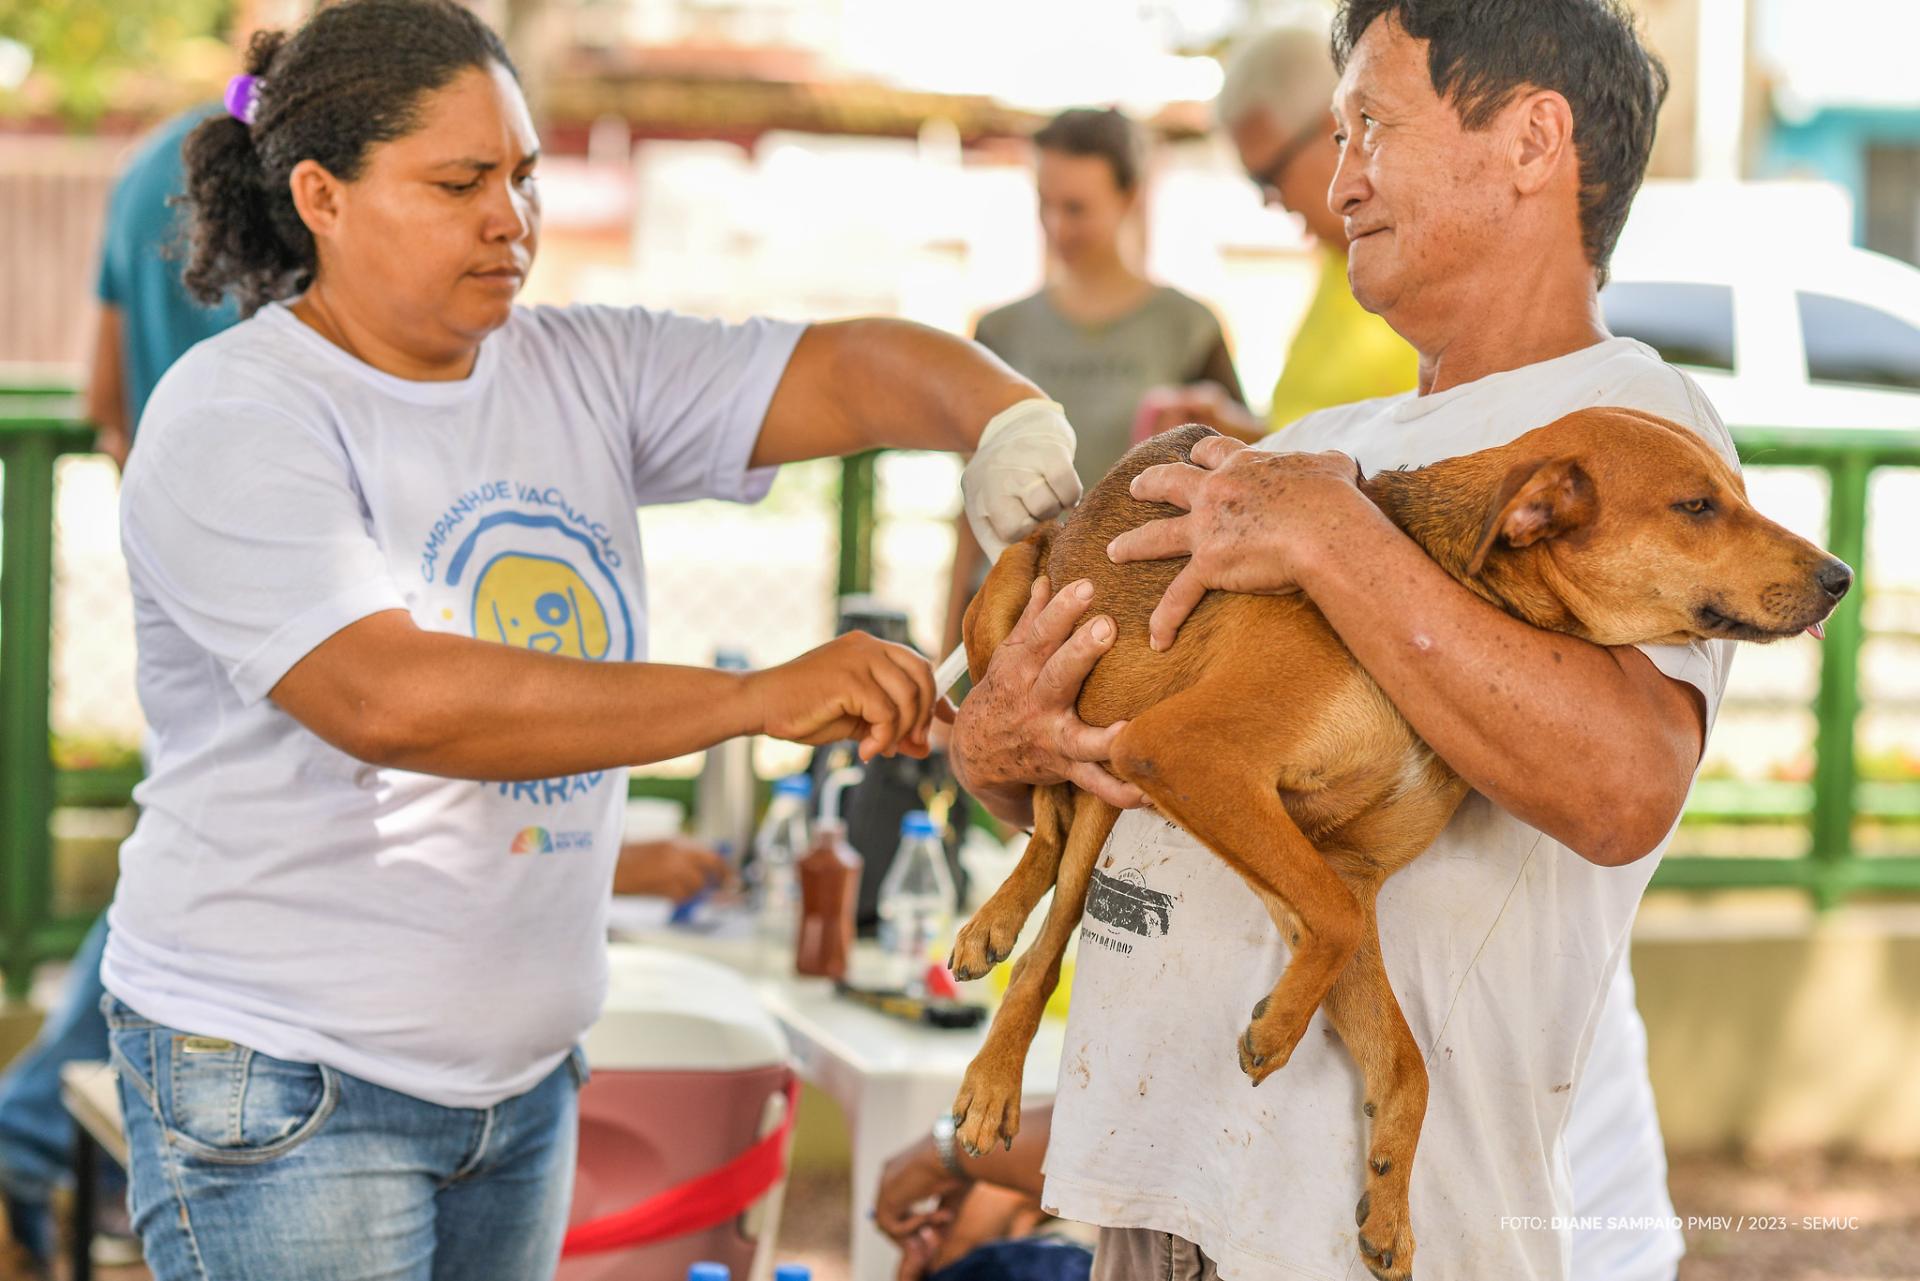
[1274,107]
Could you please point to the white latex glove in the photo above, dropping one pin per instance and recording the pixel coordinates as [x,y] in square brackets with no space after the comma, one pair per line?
[1021,474]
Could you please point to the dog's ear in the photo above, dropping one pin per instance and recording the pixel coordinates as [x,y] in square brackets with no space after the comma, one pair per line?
[1537,500]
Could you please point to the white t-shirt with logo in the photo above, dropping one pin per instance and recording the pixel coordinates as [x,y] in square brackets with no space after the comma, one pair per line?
[1500,943]
[440,937]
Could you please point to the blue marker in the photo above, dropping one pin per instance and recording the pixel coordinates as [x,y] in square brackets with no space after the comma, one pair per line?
[684,910]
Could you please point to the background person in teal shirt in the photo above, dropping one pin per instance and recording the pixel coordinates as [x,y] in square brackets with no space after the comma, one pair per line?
[147,321]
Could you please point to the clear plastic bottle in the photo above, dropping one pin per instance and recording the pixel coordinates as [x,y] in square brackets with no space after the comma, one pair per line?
[916,901]
[778,847]
[793,1272]
[709,1272]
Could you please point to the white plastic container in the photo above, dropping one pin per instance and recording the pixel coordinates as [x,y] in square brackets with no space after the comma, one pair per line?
[688,1071]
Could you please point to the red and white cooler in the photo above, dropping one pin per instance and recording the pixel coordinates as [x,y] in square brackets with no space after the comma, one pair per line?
[683,1126]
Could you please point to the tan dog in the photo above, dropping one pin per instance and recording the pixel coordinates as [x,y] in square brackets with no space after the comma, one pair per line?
[1610,525]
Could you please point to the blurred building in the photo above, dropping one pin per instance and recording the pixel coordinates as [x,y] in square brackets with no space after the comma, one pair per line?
[1846,107]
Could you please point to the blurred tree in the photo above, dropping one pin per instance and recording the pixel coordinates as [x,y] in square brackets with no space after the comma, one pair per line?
[83,50]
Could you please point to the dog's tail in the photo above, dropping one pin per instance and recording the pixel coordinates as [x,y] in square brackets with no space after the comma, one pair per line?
[1003,597]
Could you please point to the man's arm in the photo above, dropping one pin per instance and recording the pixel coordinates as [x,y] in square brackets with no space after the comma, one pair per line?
[106,399]
[1594,746]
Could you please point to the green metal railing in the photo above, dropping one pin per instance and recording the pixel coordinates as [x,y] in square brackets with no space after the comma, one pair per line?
[37,428]
[1832,868]
[34,432]
[38,424]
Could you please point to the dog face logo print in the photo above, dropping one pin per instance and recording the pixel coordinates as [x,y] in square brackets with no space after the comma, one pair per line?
[534,582]
[539,602]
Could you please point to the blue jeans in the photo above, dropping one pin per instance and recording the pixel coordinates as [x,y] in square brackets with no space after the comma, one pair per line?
[252,1168]
[36,1134]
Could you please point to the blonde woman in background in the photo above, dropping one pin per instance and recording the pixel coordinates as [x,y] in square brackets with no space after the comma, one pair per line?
[1098,334]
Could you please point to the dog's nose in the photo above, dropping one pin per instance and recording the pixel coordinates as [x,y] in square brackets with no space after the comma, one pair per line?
[1834,578]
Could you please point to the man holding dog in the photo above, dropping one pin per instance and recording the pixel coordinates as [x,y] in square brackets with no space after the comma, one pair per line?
[1489,152]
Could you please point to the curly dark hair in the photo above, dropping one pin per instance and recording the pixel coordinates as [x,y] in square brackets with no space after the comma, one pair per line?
[1481,53]
[350,78]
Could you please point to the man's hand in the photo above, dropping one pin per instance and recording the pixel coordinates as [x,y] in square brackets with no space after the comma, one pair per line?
[676,868]
[1255,523]
[854,686]
[909,1181]
[1019,726]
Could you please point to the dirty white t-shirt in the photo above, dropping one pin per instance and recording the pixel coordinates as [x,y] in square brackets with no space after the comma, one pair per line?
[439,937]
[1499,941]
[1625,1228]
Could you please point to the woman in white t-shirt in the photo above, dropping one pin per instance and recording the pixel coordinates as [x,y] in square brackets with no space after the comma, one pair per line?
[392,625]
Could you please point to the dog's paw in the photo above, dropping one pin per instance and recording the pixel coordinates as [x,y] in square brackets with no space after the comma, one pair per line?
[1386,1238]
[1268,1042]
[982,943]
[987,1110]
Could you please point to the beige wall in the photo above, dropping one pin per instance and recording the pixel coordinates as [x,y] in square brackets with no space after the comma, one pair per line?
[1769,1028]
[53,196]
[1672,30]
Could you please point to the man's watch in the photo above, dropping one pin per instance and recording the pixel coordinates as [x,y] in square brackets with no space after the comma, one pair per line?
[943,1128]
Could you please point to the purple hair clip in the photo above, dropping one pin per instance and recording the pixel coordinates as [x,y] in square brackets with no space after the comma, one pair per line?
[243,98]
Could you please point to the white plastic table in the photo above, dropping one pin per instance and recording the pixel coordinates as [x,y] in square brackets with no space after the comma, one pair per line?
[891,1078]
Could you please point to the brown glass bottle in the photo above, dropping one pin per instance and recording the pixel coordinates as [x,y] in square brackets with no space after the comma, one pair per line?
[829,889]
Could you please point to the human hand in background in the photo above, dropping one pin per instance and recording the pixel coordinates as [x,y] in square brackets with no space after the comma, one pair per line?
[1207,403]
[911,1182]
[676,868]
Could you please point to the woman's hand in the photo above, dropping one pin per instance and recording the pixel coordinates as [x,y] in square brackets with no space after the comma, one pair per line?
[1256,522]
[1164,408]
[1020,725]
[676,868]
[1021,474]
[854,686]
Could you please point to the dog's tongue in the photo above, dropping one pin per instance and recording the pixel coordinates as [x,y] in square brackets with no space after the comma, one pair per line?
[1817,631]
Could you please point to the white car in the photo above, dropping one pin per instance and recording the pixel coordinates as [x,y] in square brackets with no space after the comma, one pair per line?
[1779,337]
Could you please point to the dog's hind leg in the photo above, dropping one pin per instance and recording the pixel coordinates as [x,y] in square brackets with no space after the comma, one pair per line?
[988,1105]
[988,938]
[1172,753]
[1364,1011]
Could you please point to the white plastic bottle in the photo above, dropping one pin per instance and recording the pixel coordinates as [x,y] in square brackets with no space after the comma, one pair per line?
[723,792]
[781,841]
[916,901]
